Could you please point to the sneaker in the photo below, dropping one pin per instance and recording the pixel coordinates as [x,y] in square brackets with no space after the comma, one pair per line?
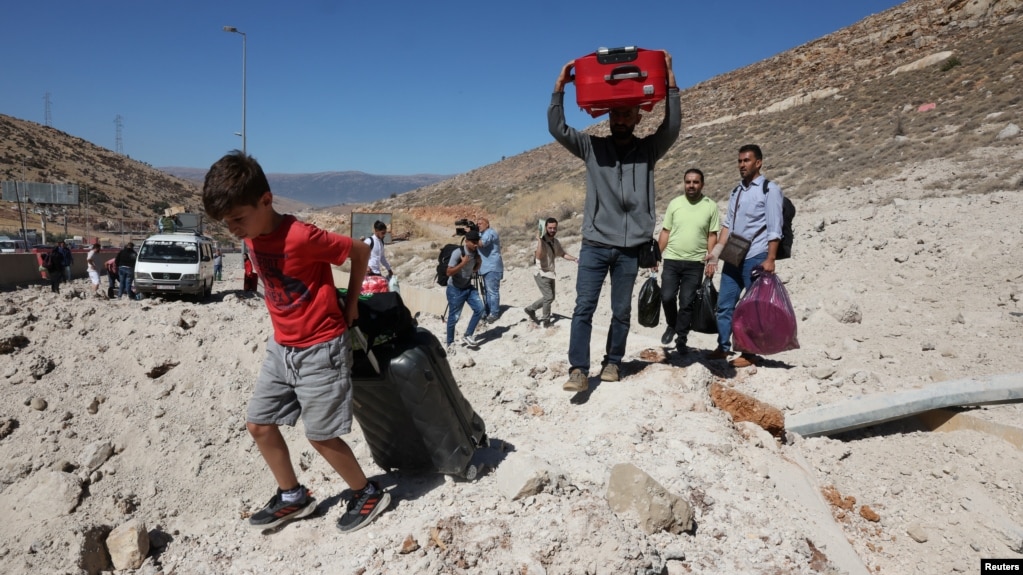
[577,381]
[470,340]
[718,354]
[278,511]
[491,319]
[610,372]
[744,360]
[450,348]
[363,508]
[532,315]
[669,334]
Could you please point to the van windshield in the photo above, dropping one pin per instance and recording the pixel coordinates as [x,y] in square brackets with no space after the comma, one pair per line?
[173,252]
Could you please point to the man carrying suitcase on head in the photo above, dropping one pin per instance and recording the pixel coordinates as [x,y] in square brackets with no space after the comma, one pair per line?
[618,217]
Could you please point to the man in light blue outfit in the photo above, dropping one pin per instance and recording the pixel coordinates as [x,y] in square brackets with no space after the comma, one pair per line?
[491,270]
[754,212]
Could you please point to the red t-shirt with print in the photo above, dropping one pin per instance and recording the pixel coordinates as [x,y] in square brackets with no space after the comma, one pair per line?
[294,263]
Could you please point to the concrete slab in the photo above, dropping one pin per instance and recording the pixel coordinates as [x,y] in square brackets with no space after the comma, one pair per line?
[871,410]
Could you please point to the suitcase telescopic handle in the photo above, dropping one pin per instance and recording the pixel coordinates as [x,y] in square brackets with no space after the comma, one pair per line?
[624,73]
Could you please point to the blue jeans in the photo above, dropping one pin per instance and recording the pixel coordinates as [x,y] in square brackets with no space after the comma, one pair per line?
[125,275]
[456,301]
[733,282]
[595,263]
[493,282]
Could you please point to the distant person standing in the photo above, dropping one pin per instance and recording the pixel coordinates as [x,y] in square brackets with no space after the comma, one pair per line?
[93,269]
[126,270]
[65,253]
[688,233]
[249,281]
[55,268]
[218,266]
[548,249]
[755,213]
[618,217]
[377,258]
[111,267]
[491,270]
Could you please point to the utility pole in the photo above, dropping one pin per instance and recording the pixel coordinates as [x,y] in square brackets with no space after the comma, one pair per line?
[118,143]
[21,213]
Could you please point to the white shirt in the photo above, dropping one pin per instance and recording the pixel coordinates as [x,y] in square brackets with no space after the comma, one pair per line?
[376,255]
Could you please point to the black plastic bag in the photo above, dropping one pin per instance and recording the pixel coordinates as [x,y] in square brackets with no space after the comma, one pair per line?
[650,303]
[705,318]
[649,254]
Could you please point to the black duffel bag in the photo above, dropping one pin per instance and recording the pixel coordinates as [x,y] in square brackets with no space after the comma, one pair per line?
[705,318]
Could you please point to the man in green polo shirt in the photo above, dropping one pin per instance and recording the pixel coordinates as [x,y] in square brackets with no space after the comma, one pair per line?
[688,234]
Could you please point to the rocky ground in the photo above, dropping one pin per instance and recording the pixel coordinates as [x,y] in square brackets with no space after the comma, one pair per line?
[128,415]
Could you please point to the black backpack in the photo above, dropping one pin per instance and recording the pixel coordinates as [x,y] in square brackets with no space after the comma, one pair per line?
[442,262]
[788,212]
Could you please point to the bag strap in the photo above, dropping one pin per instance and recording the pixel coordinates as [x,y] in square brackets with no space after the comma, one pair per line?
[735,210]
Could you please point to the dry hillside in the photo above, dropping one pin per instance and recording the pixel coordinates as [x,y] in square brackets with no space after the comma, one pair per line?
[833,112]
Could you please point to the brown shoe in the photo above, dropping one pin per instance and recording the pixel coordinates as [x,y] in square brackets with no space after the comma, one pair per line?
[610,373]
[744,360]
[718,354]
[577,381]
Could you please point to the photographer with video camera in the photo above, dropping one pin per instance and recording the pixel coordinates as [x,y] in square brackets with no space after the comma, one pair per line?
[462,265]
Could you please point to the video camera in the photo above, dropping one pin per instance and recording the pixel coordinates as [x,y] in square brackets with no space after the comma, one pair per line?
[463,226]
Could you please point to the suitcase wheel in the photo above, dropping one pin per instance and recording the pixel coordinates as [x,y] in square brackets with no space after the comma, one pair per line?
[471,471]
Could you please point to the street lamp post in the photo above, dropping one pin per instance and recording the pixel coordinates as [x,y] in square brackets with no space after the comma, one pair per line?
[234,30]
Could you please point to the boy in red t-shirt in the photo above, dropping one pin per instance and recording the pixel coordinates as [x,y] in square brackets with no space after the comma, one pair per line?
[307,370]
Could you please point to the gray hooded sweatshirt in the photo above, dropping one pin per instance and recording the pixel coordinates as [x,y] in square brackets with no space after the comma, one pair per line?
[619,210]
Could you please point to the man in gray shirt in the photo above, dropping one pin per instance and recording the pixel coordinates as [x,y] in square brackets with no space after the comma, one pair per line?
[618,217]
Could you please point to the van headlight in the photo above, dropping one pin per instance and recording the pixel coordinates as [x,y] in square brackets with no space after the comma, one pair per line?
[143,276]
[187,277]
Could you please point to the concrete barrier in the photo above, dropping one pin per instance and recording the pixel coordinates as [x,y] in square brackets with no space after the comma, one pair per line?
[880,408]
[21,270]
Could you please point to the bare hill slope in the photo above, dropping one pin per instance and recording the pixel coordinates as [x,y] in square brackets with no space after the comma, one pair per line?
[834,112]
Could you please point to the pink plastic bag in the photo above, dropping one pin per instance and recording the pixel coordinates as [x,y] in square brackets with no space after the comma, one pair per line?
[764,322]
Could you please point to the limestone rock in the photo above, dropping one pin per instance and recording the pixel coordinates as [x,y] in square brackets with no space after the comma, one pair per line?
[94,455]
[128,545]
[55,494]
[523,476]
[630,490]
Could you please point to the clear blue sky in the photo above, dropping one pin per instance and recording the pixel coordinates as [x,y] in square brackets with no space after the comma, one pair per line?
[382,87]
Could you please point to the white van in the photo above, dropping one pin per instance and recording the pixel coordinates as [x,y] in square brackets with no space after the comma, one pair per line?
[179,263]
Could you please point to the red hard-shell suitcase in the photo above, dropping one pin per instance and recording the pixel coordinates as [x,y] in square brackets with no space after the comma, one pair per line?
[412,414]
[616,77]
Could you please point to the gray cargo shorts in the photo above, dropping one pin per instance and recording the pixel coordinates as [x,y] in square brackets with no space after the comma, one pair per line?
[314,382]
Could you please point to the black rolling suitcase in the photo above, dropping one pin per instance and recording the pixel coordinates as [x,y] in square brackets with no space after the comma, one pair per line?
[412,413]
